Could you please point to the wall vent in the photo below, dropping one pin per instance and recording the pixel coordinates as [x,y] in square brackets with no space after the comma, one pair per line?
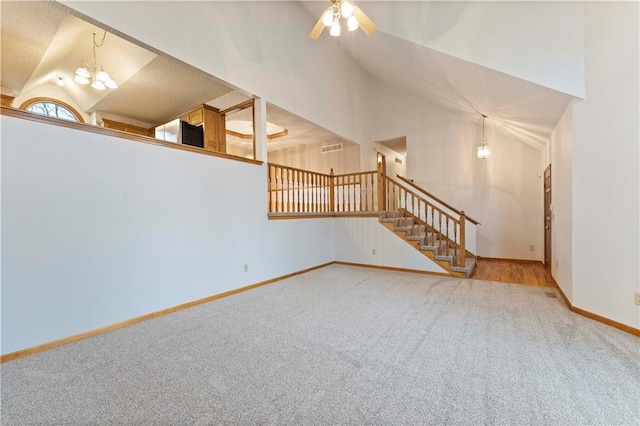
[331,148]
[398,160]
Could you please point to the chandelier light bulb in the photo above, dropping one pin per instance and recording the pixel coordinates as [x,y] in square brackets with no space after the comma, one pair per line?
[81,80]
[346,9]
[352,23]
[335,29]
[103,76]
[83,72]
[327,18]
[98,85]
[111,84]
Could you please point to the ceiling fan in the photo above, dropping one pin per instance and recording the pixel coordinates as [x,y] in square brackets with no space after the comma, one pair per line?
[342,9]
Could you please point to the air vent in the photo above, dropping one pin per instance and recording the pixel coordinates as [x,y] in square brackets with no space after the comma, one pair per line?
[331,148]
[398,160]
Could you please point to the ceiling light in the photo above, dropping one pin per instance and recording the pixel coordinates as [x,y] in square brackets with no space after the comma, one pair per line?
[484,150]
[95,74]
[346,9]
[352,23]
[98,85]
[335,28]
[327,18]
[81,80]
[338,10]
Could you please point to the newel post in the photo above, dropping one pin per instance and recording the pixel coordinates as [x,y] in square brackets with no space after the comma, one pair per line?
[382,201]
[463,251]
[332,192]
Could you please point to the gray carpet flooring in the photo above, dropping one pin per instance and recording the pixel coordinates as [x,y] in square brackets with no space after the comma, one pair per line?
[342,345]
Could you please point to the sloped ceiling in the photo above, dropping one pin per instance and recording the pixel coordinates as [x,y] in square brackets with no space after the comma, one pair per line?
[524,109]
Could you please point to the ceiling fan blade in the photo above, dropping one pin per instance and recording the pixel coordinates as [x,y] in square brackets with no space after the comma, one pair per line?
[366,24]
[317,29]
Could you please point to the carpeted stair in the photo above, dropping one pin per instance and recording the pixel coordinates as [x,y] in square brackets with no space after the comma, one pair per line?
[427,242]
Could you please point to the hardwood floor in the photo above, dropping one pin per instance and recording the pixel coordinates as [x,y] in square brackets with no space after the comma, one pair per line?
[513,271]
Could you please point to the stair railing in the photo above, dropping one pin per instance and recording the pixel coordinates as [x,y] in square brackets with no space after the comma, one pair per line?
[448,232]
[293,190]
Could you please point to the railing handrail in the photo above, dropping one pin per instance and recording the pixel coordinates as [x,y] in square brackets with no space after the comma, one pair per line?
[296,169]
[447,205]
[372,172]
[425,201]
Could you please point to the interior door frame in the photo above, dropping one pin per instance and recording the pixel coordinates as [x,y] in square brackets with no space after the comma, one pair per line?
[547,214]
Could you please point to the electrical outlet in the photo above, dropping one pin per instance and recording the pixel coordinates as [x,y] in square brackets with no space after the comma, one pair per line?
[246,268]
[373,251]
[532,248]
[638,299]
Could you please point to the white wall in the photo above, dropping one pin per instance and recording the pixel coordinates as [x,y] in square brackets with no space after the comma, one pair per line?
[355,238]
[98,229]
[560,150]
[542,42]
[504,192]
[606,166]
[309,157]
[260,47]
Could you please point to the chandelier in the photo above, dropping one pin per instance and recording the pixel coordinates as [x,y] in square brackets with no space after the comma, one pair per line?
[95,75]
[484,150]
[340,9]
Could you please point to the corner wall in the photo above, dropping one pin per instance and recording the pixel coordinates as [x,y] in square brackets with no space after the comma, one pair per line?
[560,150]
[97,230]
[606,166]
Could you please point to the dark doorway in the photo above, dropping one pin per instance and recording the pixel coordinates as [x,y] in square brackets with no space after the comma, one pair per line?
[547,216]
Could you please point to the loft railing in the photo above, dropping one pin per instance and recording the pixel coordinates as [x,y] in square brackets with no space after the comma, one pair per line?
[293,190]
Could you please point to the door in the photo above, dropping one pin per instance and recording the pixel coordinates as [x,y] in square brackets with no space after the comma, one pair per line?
[547,216]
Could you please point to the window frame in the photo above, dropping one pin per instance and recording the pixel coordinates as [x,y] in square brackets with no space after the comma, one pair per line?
[26,104]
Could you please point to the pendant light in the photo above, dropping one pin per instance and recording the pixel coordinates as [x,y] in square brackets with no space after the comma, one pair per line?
[484,150]
[98,77]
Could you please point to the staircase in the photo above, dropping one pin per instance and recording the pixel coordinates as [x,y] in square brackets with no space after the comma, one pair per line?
[429,242]
[439,231]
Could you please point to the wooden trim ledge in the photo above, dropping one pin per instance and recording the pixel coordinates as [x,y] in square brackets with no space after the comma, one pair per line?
[12,112]
[56,343]
[596,317]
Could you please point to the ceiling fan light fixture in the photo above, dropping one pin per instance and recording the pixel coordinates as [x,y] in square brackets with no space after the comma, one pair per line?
[352,23]
[335,29]
[81,80]
[346,8]
[327,18]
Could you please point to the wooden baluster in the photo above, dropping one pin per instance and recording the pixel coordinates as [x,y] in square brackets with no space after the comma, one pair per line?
[439,230]
[269,186]
[297,177]
[315,192]
[332,193]
[463,250]
[456,260]
[277,172]
[312,195]
[447,239]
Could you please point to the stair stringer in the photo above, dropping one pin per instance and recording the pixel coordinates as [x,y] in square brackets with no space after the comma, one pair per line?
[355,237]
[445,265]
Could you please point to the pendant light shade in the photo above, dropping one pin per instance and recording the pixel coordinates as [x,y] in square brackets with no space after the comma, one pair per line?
[484,150]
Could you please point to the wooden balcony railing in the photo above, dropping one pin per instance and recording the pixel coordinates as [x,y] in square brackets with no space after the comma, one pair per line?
[293,190]
[448,231]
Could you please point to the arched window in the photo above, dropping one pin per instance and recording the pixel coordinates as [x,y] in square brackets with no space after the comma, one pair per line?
[52,108]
